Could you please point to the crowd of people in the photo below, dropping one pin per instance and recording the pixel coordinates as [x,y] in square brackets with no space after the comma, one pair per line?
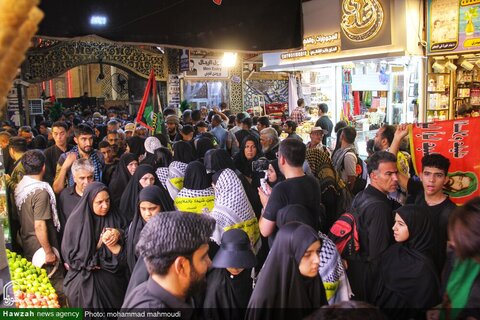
[139,218]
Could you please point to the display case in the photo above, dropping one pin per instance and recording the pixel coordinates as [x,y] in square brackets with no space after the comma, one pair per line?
[467,93]
[438,96]
[397,110]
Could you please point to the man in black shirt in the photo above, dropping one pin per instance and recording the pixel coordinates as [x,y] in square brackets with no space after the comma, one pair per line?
[177,262]
[324,121]
[298,188]
[374,216]
[53,153]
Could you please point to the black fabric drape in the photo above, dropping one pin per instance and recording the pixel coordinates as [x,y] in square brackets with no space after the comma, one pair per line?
[281,291]
[121,176]
[156,195]
[96,278]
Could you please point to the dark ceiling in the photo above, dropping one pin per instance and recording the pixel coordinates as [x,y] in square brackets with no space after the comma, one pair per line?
[241,25]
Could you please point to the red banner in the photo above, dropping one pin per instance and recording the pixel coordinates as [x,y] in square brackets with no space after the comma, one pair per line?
[456,140]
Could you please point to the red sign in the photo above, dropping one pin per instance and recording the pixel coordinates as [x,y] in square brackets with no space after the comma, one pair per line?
[217,2]
[456,140]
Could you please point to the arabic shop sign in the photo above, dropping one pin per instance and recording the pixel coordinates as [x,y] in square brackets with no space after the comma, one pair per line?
[361,20]
[315,45]
[206,68]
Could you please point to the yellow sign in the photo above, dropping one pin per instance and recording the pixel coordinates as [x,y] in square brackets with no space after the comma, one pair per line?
[361,19]
[177,182]
[250,227]
[195,205]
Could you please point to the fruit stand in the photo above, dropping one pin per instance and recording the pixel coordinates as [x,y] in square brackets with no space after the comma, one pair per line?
[31,285]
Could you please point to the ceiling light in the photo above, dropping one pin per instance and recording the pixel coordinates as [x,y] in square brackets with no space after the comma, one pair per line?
[98,20]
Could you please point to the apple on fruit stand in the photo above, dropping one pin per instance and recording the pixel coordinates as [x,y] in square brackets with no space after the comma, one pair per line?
[31,286]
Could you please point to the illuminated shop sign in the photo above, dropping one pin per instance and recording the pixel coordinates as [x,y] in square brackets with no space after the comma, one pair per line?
[320,44]
[361,19]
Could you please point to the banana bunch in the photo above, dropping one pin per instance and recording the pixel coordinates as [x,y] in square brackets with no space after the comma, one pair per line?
[19,21]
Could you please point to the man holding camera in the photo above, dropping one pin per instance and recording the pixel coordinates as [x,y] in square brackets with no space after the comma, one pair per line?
[298,188]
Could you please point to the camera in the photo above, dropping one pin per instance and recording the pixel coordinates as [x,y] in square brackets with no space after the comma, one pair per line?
[260,165]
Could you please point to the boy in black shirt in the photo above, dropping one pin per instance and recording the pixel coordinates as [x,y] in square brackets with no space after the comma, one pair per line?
[429,193]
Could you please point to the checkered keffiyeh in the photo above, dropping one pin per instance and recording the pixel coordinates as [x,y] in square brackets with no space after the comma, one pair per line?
[231,204]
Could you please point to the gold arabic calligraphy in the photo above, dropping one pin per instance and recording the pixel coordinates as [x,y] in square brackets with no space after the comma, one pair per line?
[361,19]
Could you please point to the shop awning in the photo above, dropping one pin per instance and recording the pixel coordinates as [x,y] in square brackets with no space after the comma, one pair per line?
[239,25]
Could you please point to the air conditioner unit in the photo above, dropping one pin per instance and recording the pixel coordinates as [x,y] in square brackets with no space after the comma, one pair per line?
[36,106]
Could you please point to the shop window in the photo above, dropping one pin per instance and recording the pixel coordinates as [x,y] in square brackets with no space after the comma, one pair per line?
[205,93]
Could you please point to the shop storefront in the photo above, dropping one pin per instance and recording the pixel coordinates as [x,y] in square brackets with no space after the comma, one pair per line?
[453,80]
[368,71]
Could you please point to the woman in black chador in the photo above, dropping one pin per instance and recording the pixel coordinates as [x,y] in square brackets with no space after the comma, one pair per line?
[407,284]
[289,286]
[143,177]
[94,251]
[151,201]
[121,176]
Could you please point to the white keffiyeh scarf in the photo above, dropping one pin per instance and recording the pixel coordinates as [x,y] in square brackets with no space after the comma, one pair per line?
[232,209]
[28,186]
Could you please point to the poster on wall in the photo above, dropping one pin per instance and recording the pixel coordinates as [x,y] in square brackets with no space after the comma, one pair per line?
[206,68]
[456,140]
[173,90]
[453,26]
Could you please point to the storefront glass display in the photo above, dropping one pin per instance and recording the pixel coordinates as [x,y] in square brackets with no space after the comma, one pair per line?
[206,93]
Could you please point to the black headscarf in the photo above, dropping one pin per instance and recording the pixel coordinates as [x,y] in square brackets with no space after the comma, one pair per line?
[280,284]
[218,159]
[136,145]
[202,145]
[241,162]
[129,199]
[85,284]
[196,177]
[121,176]
[183,152]
[280,176]
[156,195]
[406,268]
[102,128]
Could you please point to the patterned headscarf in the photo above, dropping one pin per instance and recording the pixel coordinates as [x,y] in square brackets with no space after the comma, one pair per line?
[322,167]
[176,174]
[232,209]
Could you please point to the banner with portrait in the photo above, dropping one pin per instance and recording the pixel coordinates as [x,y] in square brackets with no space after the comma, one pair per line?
[456,140]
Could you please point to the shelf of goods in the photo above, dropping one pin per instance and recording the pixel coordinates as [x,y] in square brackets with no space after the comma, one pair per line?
[31,285]
[277,112]
[438,96]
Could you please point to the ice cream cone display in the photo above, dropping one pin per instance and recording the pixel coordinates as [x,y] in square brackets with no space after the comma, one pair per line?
[19,21]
